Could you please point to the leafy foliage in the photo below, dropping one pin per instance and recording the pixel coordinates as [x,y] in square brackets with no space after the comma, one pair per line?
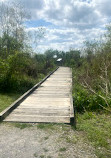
[20,68]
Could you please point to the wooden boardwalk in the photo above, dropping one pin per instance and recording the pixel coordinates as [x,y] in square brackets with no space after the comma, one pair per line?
[50,102]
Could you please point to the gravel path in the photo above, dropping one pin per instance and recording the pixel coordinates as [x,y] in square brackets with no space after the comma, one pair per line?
[56,141]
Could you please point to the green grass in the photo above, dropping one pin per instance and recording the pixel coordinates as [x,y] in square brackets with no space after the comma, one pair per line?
[62,149]
[35,155]
[45,138]
[7,99]
[42,156]
[46,126]
[22,125]
[45,150]
[97,130]
[49,156]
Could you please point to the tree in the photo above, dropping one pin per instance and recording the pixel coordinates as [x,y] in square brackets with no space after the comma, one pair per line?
[36,36]
[12,17]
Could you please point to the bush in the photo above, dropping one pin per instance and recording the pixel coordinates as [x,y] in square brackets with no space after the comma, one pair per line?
[85,101]
[14,73]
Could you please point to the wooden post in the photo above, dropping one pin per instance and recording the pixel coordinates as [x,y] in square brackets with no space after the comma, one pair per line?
[75,117]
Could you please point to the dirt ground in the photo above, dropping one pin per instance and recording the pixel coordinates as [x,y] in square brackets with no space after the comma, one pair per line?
[42,141]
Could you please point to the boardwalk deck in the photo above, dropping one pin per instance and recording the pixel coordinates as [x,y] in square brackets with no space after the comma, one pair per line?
[51,102]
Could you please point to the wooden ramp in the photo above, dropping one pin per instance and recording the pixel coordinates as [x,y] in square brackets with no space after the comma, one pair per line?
[51,102]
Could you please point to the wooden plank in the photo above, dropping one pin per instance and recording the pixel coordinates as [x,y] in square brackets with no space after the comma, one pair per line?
[41,113]
[61,79]
[35,119]
[50,96]
[41,108]
[53,95]
[52,88]
[50,93]
[47,99]
[57,104]
[56,84]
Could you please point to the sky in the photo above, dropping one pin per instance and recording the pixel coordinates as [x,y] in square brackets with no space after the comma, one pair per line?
[67,23]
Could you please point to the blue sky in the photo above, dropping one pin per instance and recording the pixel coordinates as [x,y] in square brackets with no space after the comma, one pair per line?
[67,23]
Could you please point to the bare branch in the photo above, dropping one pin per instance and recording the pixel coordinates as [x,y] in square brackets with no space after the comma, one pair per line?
[92,90]
[104,108]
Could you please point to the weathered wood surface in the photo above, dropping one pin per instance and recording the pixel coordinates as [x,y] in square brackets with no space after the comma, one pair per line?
[51,102]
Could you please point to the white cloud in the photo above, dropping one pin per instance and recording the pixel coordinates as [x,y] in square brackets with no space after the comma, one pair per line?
[80,14]
[64,39]
[103,6]
[73,21]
